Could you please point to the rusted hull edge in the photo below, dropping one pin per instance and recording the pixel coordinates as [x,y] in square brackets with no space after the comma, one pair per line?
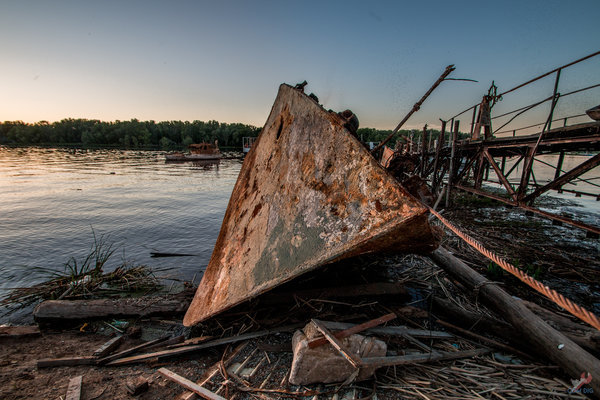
[308,194]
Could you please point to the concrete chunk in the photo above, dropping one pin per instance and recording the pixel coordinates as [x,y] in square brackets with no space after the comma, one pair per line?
[324,364]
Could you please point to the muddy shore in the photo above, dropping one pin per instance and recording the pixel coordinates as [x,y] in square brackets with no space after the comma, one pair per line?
[561,257]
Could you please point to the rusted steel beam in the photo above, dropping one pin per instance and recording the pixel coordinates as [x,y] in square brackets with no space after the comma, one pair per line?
[515,165]
[502,178]
[582,134]
[560,218]
[308,194]
[565,178]
[559,164]
[438,149]
[423,152]
[550,72]
[526,174]
[479,169]
[416,107]
[467,167]
[451,167]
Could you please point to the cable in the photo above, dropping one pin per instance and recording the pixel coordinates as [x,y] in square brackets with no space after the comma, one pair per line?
[553,295]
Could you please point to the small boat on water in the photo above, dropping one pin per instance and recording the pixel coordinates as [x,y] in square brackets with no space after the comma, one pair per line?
[198,152]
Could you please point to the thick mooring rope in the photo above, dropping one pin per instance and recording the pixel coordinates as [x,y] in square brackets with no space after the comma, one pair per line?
[556,297]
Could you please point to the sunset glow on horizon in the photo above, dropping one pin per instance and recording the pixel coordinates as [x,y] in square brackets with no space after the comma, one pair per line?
[195,60]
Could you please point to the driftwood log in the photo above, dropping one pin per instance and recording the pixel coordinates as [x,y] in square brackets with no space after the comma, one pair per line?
[51,311]
[546,340]
[586,337]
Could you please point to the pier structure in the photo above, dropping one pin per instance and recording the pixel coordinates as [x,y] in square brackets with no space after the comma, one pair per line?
[509,154]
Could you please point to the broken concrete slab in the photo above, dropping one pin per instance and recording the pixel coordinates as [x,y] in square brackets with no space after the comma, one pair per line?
[324,364]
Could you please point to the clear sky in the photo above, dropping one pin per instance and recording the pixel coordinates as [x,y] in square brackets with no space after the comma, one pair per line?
[223,60]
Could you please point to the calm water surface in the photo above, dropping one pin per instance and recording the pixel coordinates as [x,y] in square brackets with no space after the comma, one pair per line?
[53,198]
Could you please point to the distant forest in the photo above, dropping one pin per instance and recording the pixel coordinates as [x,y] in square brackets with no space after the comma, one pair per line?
[134,134]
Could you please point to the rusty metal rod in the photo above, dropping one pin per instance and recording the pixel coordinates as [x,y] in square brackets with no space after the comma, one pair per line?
[526,108]
[540,123]
[557,174]
[563,179]
[549,73]
[416,107]
[533,80]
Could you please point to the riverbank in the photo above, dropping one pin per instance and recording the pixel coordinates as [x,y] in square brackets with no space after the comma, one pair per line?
[507,373]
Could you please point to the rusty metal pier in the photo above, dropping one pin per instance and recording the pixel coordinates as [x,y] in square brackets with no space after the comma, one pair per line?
[504,156]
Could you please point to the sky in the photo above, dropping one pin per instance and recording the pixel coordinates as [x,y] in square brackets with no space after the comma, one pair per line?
[224,60]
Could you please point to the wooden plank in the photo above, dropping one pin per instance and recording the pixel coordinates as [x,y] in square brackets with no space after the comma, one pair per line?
[50,311]
[19,331]
[212,371]
[420,358]
[186,383]
[132,350]
[108,347]
[352,359]
[391,330]
[556,346]
[161,355]
[66,362]
[74,389]
[192,341]
[170,342]
[352,330]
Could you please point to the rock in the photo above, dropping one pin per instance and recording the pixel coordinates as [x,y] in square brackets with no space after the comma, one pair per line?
[324,364]
[137,385]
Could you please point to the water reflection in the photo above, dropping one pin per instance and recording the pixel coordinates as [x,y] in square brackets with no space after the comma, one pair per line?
[52,198]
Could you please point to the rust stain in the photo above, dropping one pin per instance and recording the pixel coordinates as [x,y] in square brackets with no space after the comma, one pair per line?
[316,196]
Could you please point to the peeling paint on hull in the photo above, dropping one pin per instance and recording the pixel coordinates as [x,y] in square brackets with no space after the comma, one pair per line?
[308,194]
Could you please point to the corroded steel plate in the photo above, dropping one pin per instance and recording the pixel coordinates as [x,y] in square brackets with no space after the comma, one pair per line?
[308,194]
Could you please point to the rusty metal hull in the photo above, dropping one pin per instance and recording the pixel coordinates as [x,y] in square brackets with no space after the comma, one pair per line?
[308,194]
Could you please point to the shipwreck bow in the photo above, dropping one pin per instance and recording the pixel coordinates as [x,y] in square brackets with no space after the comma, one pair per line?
[307,194]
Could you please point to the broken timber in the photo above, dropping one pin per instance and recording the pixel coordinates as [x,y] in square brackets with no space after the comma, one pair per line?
[308,194]
[186,383]
[63,310]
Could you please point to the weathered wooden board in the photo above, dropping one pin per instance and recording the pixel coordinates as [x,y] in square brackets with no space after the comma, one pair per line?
[108,347]
[74,389]
[19,331]
[186,383]
[61,310]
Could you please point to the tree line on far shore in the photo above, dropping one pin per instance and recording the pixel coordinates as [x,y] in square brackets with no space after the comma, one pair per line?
[135,134]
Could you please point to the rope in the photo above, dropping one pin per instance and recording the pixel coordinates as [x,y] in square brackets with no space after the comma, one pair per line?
[551,294]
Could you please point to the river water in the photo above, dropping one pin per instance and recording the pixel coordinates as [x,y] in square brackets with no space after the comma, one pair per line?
[52,199]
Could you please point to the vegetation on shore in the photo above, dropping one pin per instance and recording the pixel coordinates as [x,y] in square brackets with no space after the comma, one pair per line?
[165,135]
[85,278]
